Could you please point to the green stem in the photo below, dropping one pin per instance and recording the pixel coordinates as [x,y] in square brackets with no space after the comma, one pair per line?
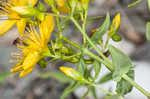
[68,41]
[106,44]
[92,18]
[88,39]
[106,62]
[56,15]
[102,89]
[109,66]
[146,93]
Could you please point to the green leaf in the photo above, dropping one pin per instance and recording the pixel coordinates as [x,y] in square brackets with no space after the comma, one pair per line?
[121,62]
[97,68]
[105,78]
[123,86]
[93,91]
[113,97]
[57,75]
[69,89]
[81,65]
[102,30]
[4,76]
[148,31]
[86,93]
[87,73]
[148,1]
[134,3]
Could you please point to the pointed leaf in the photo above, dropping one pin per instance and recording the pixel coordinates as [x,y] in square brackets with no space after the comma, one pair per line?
[97,68]
[69,89]
[57,75]
[123,86]
[102,30]
[148,31]
[105,78]
[93,90]
[148,1]
[134,3]
[121,62]
[81,65]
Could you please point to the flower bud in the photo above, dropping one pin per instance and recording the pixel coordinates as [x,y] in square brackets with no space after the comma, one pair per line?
[72,73]
[116,38]
[115,25]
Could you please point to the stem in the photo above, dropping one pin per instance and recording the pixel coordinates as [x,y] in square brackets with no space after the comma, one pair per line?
[93,18]
[106,62]
[85,35]
[68,41]
[102,89]
[56,15]
[146,93]
[109,66]
[88,39]
[106,44]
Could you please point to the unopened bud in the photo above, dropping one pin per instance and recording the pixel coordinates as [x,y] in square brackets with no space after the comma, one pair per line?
[72,73]
[116,38]
[115,25]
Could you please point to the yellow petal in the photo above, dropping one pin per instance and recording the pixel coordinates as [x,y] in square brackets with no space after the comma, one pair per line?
[46,27]
[21,24]
[34,36]
[25,73]
[25,2]
[31,60]
[32,2]
[17,69]
[5,26]
[60,2]
[62,6]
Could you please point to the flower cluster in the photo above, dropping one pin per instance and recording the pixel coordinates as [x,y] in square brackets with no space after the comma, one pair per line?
[27,15]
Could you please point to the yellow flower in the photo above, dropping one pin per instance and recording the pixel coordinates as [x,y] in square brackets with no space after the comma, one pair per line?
[13,17]
[62,6]
[36,44]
